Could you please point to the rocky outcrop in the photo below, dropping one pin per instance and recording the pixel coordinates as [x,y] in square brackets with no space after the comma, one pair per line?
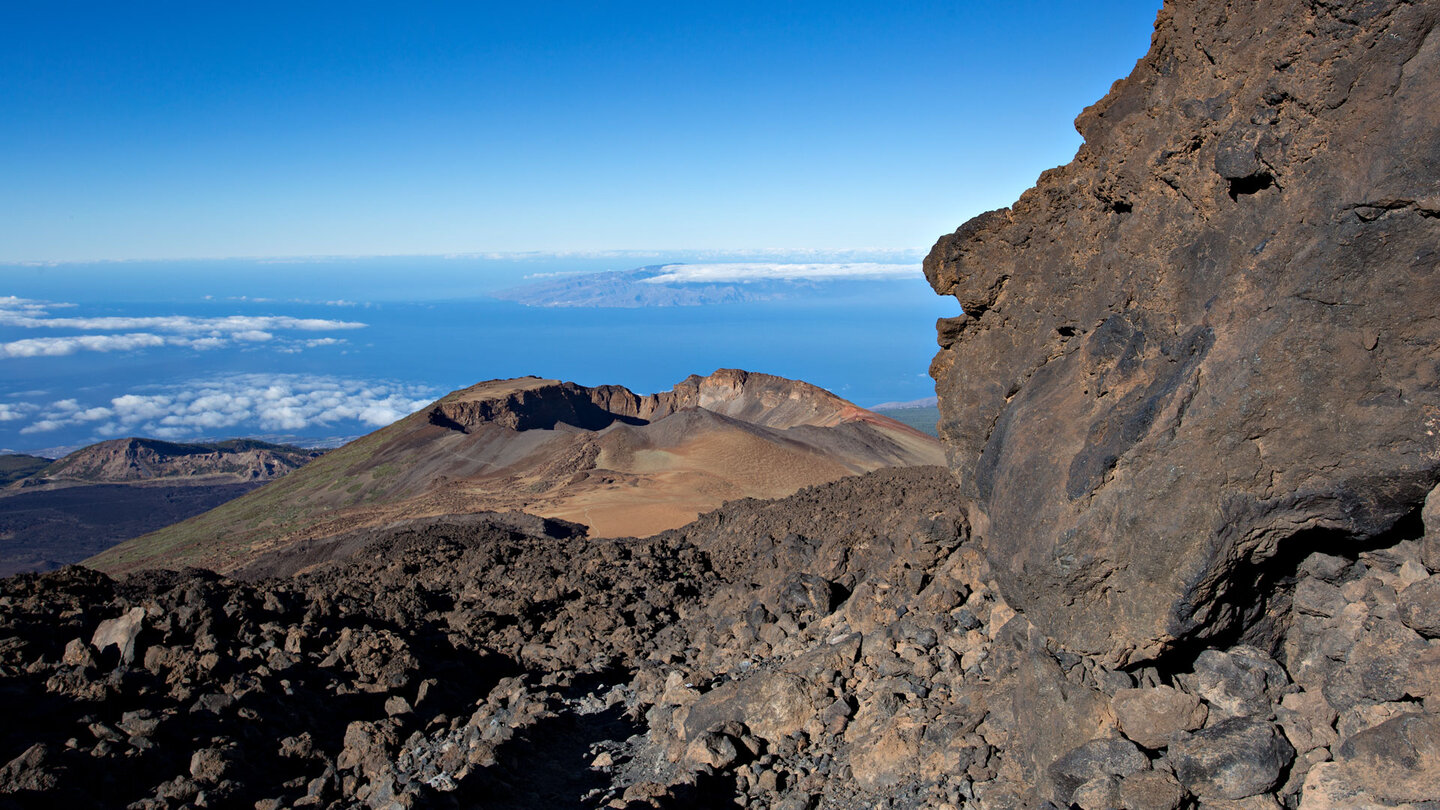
[1206,346]
[531,403]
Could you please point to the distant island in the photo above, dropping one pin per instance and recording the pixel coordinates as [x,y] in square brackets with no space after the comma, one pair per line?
[689,285]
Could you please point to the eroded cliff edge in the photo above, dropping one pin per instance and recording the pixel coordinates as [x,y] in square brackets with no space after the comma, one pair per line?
[1207,344]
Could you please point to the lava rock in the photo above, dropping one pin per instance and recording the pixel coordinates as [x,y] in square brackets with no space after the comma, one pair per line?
[1391,764]
[1097,759]
[120,633]
[1240,682]
[1152,716]
[1121,406]
[1235,759]
[1419,607]
[1150,790]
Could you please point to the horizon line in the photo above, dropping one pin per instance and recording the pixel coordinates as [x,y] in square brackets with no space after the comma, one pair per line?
[494,255]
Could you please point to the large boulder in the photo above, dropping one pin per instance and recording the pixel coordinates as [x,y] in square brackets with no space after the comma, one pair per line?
[1209,341]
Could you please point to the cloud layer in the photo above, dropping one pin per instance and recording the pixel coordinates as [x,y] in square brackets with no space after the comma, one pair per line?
[152,331]
[235,403]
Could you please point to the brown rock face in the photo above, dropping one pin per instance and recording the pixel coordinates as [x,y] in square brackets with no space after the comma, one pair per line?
[1211,338]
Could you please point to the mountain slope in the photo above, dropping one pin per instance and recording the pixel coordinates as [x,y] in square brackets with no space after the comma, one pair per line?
[619,462]
[106,493]
[14,467]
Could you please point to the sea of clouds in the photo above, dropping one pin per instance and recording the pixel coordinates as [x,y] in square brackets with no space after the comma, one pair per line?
[271,403]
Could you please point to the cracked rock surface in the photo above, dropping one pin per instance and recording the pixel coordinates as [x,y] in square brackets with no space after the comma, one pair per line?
[1209,340]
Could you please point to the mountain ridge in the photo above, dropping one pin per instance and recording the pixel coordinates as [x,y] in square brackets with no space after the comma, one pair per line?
[137,459]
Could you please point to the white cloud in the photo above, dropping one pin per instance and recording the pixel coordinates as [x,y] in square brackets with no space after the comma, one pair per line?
[61,346]
[768,271]
[43,426]
[11,411]
[238,403]
[30,317]
[171,330]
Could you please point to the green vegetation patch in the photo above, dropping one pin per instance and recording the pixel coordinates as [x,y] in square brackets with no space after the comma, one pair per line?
[15,467]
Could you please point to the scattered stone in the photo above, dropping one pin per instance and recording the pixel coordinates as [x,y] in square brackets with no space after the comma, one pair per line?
[1095,760]
[1152,716]
[1235,759]
[715,750]
[1419,607]
[1150,790]
[1240,682]
[120,633]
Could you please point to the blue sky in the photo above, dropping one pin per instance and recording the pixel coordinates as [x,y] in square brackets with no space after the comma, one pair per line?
[168,130]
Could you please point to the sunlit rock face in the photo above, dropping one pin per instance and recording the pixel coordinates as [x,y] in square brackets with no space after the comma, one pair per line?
[1209,342]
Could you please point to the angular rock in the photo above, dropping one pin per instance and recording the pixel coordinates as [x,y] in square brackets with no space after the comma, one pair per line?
[1394,763]
[773,706]
[1308,721]
[120,633]
[33,770]
[1152,716]
[1377,666]
[1097,759]
[1043,715]
[211,765]
[1235,759]
[1419,607]
[1151,790]
[78,654]
[714,750]
[1253,215]
[1100,793]
[1239,682]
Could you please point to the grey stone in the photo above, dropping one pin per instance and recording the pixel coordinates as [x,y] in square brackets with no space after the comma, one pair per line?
[1240,682]
[1419,607]
[120,632]
[1152,716]
[1235,759]
[1094,760]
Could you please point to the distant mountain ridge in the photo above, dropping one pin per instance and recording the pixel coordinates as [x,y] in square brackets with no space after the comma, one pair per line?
[924,402]
[134,460]
[685,285]
[627,289]
[618,462]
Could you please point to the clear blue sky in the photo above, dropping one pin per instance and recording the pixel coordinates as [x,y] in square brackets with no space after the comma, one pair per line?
[191,129]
